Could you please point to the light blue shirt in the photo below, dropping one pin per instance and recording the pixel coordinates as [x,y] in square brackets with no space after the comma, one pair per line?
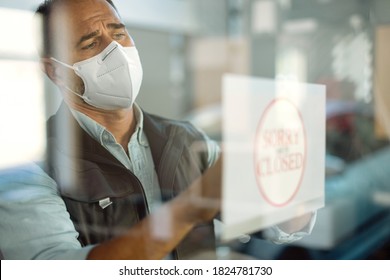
[34,221]
[139,160]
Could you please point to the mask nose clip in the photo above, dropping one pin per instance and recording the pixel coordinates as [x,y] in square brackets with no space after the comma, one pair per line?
[109,52]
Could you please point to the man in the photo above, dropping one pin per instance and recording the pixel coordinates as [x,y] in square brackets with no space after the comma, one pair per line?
[136,186]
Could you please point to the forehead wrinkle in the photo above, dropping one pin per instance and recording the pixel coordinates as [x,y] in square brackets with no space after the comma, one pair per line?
[95,23]
[70,20]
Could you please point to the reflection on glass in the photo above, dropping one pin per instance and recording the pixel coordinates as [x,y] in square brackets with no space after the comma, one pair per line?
[22,104]
[186,50]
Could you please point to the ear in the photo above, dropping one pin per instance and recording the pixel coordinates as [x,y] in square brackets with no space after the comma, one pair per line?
[51,70]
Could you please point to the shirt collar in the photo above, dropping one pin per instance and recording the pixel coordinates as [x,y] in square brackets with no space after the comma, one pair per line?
[96,130]
[139,117]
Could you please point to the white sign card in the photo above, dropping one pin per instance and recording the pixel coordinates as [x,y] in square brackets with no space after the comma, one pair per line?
[274,152]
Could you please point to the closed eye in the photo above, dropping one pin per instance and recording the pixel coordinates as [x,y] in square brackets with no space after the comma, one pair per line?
[89,46]
[119,36]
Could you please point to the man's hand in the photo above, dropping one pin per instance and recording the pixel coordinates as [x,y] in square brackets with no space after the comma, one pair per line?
[296,224]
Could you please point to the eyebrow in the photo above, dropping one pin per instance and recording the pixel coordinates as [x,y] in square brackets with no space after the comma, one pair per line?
[96,33]
[116,25]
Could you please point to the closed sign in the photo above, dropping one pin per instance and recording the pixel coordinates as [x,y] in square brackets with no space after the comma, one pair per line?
[274,152]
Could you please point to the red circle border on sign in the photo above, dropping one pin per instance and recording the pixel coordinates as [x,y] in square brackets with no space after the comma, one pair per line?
[259,127]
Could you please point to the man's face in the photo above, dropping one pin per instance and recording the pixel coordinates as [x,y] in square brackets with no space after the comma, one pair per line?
[83,29]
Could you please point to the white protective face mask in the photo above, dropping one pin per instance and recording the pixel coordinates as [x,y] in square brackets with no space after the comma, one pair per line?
[112,79]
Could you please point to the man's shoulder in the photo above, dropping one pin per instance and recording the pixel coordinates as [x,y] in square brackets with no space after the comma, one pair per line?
[28,180]
[30,172]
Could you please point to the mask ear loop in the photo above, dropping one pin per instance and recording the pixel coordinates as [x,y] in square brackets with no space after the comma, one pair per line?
[75,93]
[62,63]
[70,67]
